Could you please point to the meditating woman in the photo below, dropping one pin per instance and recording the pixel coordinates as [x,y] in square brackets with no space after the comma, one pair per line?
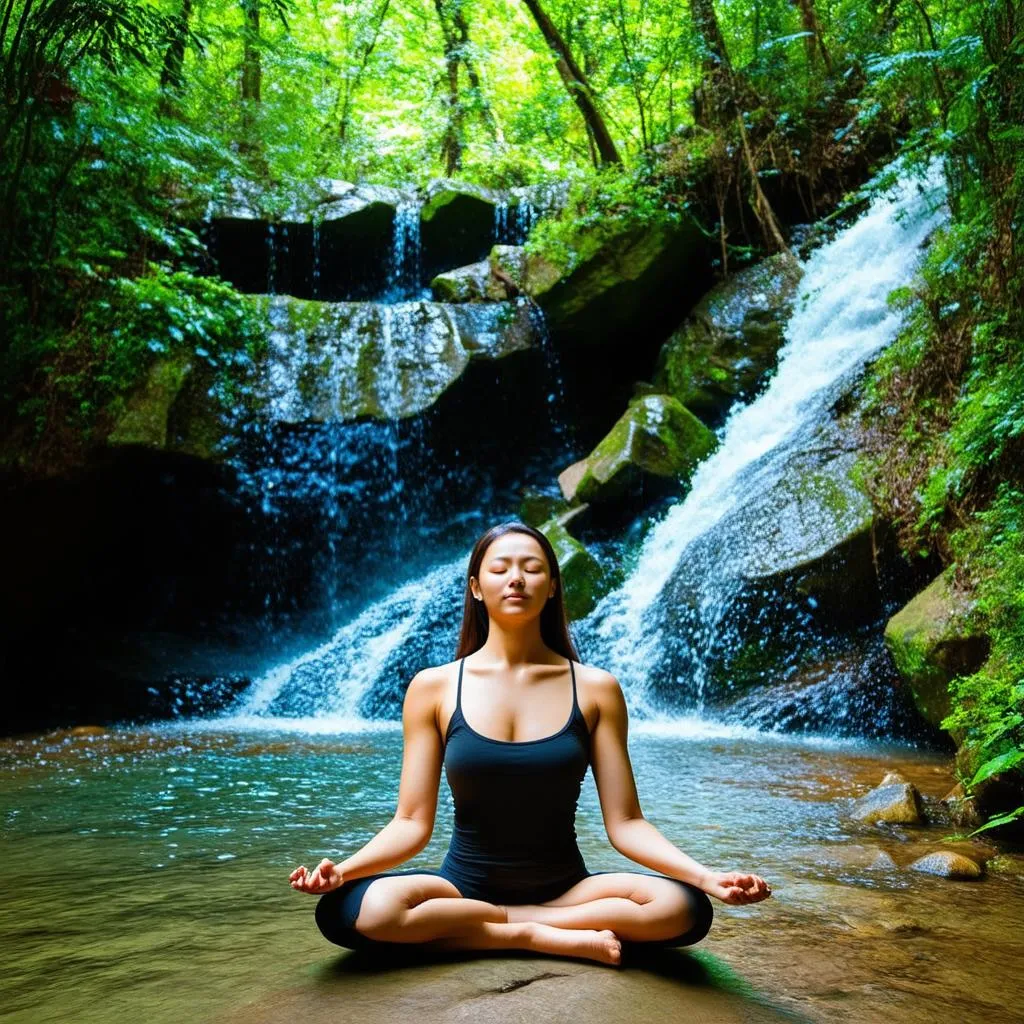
[515,752]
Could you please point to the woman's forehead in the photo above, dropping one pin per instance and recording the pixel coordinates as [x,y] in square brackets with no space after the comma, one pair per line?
[511,547]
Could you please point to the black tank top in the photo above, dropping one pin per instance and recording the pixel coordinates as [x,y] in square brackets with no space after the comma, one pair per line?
[514,836]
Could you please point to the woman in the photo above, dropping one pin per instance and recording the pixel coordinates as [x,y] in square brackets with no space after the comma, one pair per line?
[513,876]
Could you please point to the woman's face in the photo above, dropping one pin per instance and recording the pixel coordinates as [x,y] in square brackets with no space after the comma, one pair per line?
[515,578]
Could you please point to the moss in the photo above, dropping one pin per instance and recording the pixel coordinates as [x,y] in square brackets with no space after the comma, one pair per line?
[656,435]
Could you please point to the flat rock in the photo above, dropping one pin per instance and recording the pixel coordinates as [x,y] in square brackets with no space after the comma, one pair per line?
[662,987]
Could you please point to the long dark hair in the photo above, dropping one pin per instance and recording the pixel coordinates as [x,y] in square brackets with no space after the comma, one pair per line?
[554,622]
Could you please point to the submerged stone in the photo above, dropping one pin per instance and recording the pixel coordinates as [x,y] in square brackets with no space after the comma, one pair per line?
[947,864]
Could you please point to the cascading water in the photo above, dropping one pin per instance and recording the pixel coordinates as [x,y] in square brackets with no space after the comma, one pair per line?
[405,270]
[696,564]
[703,552]
[512,221]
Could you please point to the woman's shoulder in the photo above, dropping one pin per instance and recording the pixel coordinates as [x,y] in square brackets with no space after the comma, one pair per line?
[434,676]
[597,678]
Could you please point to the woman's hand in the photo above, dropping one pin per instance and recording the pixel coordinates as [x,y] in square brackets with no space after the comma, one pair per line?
[733,887]
[324,878]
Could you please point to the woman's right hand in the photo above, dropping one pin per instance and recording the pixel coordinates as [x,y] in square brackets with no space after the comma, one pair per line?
[323,878]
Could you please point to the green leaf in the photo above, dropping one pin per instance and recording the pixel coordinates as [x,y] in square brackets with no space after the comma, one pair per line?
[1002,763]
[1003,819]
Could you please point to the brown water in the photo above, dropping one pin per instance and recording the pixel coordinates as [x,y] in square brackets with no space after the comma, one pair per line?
[145,873]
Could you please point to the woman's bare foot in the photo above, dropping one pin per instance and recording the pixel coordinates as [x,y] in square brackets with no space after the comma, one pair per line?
[603,946]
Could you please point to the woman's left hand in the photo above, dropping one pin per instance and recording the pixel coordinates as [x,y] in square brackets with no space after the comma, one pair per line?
[734,887]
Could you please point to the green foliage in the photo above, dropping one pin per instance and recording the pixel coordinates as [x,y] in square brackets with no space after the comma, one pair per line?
[129,323]
[599,204]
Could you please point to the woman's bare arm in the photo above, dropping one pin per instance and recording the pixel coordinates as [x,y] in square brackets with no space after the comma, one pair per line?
[628,830]
[410,829]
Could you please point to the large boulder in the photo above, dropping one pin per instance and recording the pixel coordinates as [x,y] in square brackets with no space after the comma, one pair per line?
[722,351]
[655,436]
[931,644]
[820,549]
[457,223]
[619,278]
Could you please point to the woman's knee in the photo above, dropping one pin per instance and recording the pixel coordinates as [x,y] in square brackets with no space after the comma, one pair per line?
[387,902]
[332,920]
[697,917]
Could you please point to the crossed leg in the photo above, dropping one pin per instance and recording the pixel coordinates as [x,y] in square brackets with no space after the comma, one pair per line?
[588,920]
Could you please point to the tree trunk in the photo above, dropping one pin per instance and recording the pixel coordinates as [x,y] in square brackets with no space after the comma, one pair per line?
[577,84]
[451,142]
[718,105]
[251,74]
[251,70]
[462,26]
[809,18]
[174,58]
[171,75]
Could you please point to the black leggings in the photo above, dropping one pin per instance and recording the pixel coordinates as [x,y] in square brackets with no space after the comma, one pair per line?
[337,910]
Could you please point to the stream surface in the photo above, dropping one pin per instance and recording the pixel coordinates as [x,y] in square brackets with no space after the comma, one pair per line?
[146,871]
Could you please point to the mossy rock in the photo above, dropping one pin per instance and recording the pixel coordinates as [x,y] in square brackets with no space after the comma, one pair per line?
[536,508]
[509,261]
[655,435]
[612,274]
[724,348]
[463,284]
[144,419]
[583,579]
[930,645]
[478,282]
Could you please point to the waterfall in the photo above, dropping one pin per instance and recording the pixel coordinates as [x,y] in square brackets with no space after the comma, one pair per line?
[711,538]
[662,629]
[405,270]
[326,688]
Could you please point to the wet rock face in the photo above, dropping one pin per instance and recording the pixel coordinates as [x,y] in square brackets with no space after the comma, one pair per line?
[930,646]
[723,349]
[334,240]
[325,362]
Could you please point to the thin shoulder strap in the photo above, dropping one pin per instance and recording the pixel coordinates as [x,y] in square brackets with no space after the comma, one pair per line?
[458,692]
[575,702]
